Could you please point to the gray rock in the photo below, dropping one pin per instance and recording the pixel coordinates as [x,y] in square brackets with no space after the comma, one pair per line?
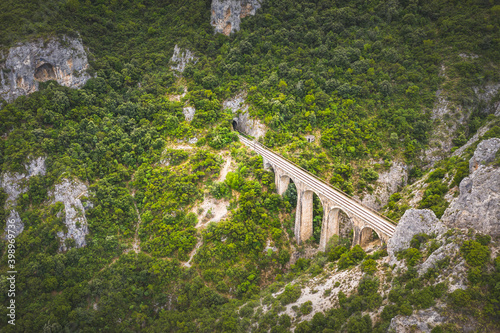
[478,205]
[487,94]
[227,14]
[29,63]
[189,112]
[242,121]
[413,222]
[420,321]
[387,184]
[14,184]
[193,141]
[436,256]
[181,58]
[485,153]
[14,225]
[68,192]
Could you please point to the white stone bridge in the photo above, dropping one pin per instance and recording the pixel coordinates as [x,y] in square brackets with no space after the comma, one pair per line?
[364,219]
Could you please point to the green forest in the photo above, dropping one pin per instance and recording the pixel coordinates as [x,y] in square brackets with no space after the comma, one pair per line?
[360,75]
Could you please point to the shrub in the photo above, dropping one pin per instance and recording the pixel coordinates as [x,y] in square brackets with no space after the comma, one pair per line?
[369,266]
[290,294]
[437,174]
[306,308]
[335,253]
[460,298]
[418,239]
[474,253]
[351,258]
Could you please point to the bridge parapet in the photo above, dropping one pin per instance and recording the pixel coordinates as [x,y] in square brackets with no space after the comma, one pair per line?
[363,218]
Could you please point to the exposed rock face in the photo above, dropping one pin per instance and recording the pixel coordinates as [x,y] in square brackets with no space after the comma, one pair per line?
[420,321]
[181,58]
[486,94]
[242,121]
[14,184]
[388,184]
[189,112]
[413,222]
[227,14]
[484,154]
[478,205]
[29,63]
[68,192]
[14,220]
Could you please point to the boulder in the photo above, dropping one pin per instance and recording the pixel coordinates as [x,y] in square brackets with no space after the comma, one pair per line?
[413,222]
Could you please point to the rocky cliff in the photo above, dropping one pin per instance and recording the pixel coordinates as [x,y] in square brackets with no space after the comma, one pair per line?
[478,205]
[15,184]
[27,64]
[242,121]
[181,58]
[69,192]
[227,14]
[387,184]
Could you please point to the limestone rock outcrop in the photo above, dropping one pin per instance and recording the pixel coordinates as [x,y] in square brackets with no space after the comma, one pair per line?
[189,113]
[69,192]
[15,184]
[413,222]
[181,58]
[242,121]
[485,153]
[387,184]
[420,321]
[227,14]
[27,64]
[478,204]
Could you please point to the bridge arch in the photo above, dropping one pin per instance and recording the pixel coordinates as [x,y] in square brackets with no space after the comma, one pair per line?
[368,234]
[333,224]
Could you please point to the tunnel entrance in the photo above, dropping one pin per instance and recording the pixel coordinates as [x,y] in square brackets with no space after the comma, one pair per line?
[235,125]
[45,72]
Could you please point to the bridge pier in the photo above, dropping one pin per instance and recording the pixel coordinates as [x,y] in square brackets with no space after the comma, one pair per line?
[303,214]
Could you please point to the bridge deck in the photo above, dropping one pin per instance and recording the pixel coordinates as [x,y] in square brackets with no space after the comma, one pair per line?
[369,216]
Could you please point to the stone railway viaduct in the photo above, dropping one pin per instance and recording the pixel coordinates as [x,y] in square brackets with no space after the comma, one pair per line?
[364,219]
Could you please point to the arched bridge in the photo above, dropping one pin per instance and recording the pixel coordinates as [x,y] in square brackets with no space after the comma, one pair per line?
[364,219]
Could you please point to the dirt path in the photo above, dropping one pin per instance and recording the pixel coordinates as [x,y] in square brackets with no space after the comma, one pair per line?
[136,245]
[212,210]
[191,255]
[225,169]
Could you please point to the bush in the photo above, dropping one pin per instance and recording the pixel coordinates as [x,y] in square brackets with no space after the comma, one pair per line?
[369,266]
[306,308]
[475,254]
[290,294]
[437,174]
[336,253]
[351,258]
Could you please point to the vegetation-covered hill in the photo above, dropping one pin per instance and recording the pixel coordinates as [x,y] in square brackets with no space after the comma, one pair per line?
[361,76]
